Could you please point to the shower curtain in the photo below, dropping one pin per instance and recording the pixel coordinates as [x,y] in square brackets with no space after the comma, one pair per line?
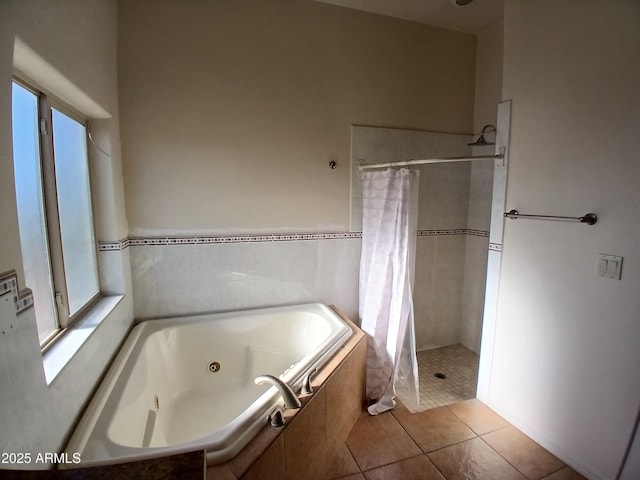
[390,204]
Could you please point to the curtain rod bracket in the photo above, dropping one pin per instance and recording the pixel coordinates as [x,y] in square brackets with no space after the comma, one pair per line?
[500,156]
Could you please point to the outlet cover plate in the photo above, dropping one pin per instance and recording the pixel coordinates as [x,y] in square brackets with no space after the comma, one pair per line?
[609,266]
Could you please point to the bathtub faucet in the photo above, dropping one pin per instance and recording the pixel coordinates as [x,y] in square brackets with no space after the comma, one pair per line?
[289,397]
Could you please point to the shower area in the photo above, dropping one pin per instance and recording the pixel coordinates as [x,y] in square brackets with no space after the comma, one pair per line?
[452,244]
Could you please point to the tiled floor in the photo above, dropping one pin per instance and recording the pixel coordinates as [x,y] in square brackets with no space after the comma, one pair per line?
[465,440]
[458,364]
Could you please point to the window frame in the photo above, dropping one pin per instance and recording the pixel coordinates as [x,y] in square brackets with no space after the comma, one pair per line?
[46,102]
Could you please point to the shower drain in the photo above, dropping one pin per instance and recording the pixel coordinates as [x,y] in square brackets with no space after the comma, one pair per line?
[440,375]
[214,367]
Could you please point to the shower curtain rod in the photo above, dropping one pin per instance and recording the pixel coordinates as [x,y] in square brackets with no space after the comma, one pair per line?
[402,163]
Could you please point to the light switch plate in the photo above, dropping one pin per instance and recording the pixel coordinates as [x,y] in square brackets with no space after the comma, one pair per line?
[609,266]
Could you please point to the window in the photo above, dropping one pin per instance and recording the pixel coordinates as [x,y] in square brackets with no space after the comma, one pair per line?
[54,209]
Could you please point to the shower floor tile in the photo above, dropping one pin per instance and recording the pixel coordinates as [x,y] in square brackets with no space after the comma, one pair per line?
[458,364]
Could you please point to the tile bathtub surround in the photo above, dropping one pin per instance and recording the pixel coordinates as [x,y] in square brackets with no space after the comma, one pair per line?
[194,274]
[178,279]
[448,447]
[312,438]
[203,273]
[141,241]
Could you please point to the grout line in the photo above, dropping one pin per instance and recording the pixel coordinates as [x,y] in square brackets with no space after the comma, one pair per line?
[501,456]
[523,474]
[405,430]
[395,461]
[436,466]
[353,456]
[555,471]
[434,450]
[452,444]
[494,430]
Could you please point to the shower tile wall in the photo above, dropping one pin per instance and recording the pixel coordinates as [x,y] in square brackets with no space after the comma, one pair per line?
[476,250]
[453,224]
[377,145]
[472,304]
[438,287]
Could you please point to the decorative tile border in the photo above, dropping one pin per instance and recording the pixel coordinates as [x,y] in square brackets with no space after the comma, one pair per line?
[23,300]
[442,233]
[453,231]
[478,233]
[495,247]
[197,240]
[257,238]
[117,245]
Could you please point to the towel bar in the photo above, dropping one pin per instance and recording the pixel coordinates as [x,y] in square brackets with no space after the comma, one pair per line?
[588,218]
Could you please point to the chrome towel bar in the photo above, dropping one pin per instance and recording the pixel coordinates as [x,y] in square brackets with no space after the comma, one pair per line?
[588,218]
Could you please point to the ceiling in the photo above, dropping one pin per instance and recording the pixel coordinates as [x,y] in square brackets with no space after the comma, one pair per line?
[472,18]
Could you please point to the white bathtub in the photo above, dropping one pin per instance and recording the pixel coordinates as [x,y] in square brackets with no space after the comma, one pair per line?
[163,396]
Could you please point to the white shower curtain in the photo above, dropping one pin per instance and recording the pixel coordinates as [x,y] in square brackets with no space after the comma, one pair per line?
[390,204]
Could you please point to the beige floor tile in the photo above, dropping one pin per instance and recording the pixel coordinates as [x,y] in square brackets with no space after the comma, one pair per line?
[357,476]
[473,460]
[378,440]
[416,468]
[433,429]
[341,463]
[565,473]
[523,453]
[480,418]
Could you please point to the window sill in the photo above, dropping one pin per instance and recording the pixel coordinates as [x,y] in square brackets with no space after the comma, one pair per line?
[59,354]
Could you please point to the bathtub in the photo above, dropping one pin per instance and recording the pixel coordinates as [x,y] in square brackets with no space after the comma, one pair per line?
[187,383]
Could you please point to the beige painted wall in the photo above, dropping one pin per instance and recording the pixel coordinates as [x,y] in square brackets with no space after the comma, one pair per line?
[231,110]
[83,52]
[78,39]
[489,57]
[565,365]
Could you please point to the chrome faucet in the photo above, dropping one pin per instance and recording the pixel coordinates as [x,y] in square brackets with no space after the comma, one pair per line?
[307,389]
[289,397]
